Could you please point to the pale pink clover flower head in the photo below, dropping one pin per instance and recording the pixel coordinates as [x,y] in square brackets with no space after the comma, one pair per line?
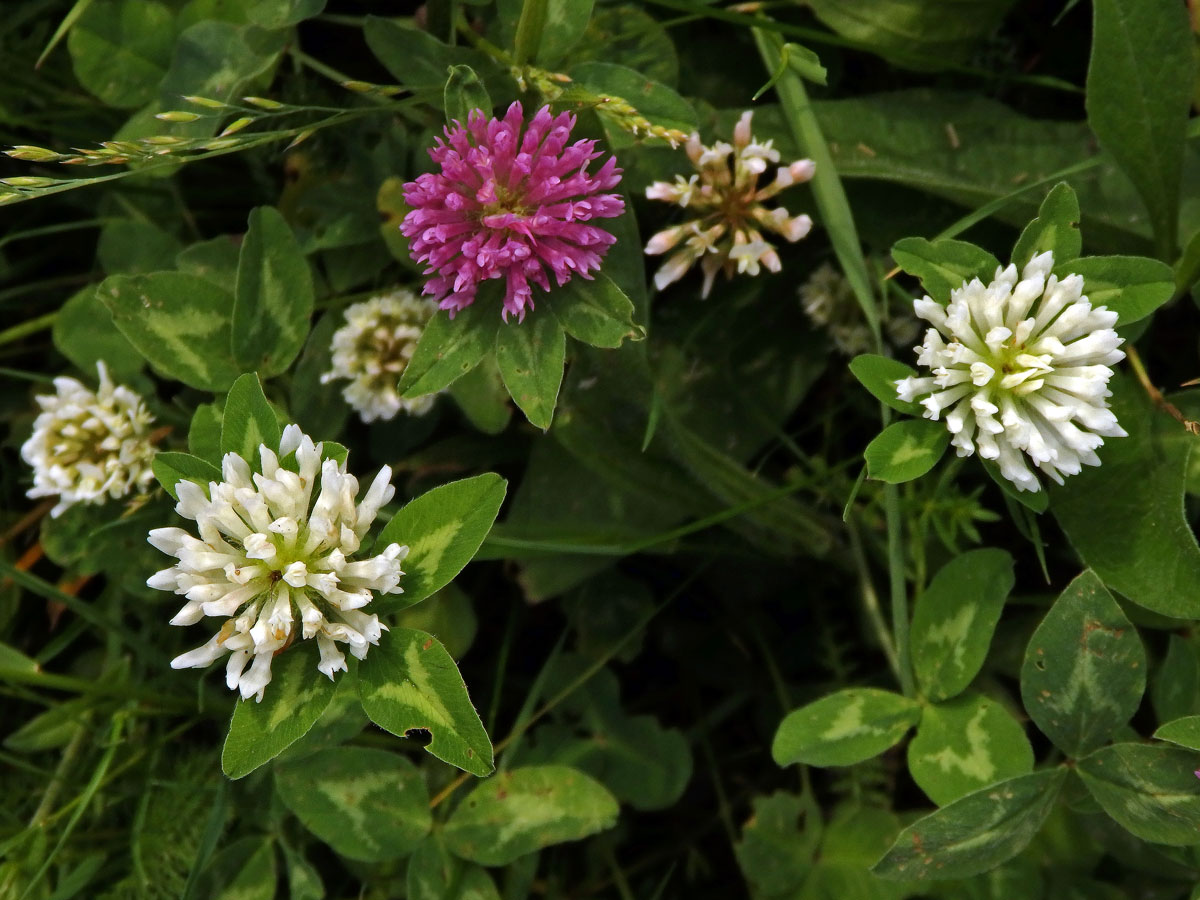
[512,200]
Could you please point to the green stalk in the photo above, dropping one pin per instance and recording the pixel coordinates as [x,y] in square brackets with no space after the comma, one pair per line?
[28,327]
[832,206]
[895,526]
[838,221]
[529,31]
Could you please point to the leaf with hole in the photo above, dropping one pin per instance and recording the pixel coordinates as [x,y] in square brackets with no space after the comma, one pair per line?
[1056,228]
[409,683]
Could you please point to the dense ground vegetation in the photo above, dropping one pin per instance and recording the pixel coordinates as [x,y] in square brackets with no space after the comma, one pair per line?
[743,625]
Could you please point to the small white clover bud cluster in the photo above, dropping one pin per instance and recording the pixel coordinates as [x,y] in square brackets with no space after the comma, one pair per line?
[727,232]
[88,445]
[1020,368]
[372,350]
[828,301]
[273,559]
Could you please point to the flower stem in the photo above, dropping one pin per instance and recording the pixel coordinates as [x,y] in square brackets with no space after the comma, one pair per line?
[529,30]
[891,501]
[870,601]
[1156,396]
[28,327]
[827,188]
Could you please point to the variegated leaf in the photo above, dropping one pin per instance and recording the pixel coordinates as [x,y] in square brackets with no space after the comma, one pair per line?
[955,617]
[965,744]
[442,530]
[248,421]
[974,833]
[178,322]
[296,697]
[906,450]
[1149,789]
[1184,732]
[274,296]
[434,873]
[366,804]
[409,683]
[256,880]
[844,728]
[523,810]
[1085,669]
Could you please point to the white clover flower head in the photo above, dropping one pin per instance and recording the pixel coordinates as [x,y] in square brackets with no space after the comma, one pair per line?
[1020,367]
[88,445]
[372,350]
[275,562]
[729,207]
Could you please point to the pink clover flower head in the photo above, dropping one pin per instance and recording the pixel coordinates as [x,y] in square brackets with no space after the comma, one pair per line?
[513,200]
